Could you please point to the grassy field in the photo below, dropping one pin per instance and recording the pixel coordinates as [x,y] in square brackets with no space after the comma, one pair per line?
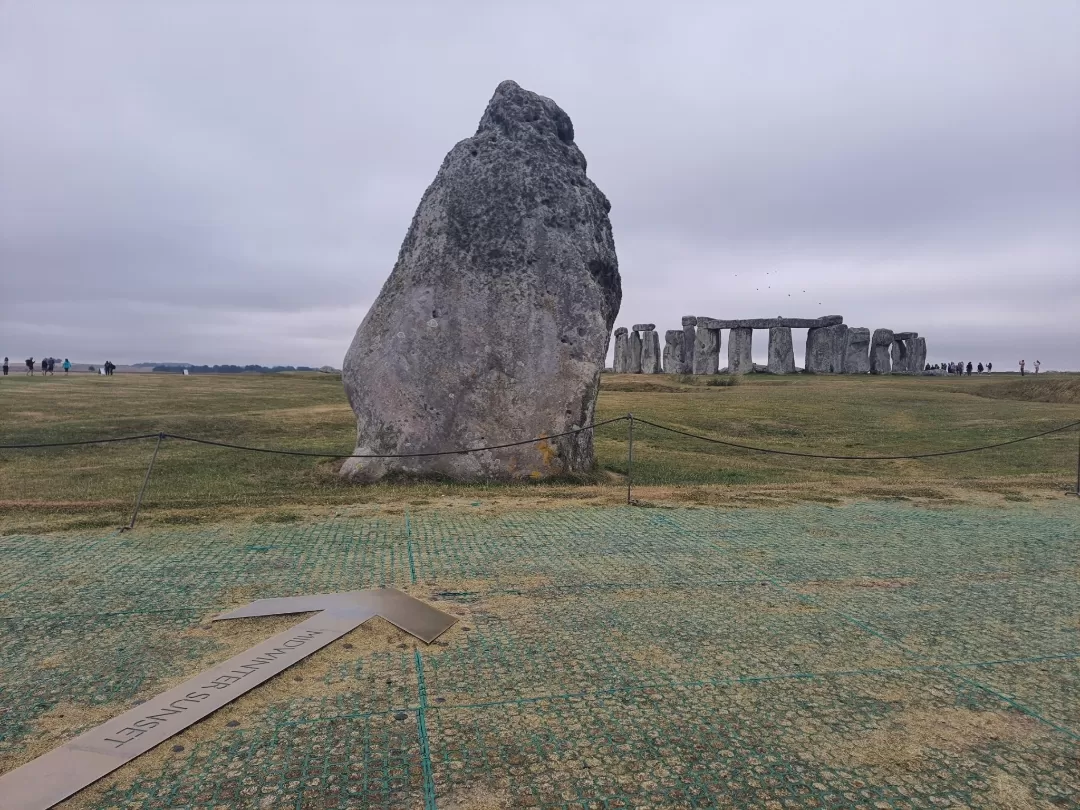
[94,487]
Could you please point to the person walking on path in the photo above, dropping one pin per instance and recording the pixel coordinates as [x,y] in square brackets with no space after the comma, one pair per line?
[52,365]
[5,366]
[989,367]
[30,366]
[1037,364]
[67,365]
[980,368]
[969,368]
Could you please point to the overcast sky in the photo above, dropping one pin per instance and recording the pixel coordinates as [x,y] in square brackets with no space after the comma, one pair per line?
[230,182]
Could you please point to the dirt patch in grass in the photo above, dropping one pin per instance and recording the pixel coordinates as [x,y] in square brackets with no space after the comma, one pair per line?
[819,586]
[910,737]
[477,798]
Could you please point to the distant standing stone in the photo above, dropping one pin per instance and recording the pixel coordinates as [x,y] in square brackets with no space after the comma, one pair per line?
[633,354]
[857,351]
[706,351]
[673,352]
[781,352]
[494,322]
[918,362]
[650,352]
[818,350]
[689,339]
[740,344]
[622,346]
[880,344]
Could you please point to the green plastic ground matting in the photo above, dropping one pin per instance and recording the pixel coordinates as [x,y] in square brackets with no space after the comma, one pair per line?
[869,656]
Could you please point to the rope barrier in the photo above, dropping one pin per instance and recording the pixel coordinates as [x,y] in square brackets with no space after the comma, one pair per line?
[74,444]
[391,455]
[594,425]
[855,458]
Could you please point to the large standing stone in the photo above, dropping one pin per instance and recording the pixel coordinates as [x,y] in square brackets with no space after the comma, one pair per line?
[879,351]
[838,336]
[781,352]
[673,352]
[622,344]
[739,347]
[633,354]
[706,350]
[493,325]
[689,339]
[857,351]
[818,350]
[650,352]
[901,357]
[918,362]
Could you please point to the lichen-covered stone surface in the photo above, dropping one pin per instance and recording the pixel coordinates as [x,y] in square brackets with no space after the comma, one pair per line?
[781,352]
[493,325]
[857,350]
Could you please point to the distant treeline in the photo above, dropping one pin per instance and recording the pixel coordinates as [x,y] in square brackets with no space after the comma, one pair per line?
[229,369]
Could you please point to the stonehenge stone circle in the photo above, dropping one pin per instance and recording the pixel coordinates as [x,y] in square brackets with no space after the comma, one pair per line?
[781,352]
[857,351]
[633,355]
[832,347]
[880,344]
[650,352]
[674,362]
[740,342]
[689,337]
[622,348]
[493,325]
[706,350]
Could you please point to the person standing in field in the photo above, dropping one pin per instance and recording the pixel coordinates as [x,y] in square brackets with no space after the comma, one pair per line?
[989,367]
[30,366]
[1021,368]
[1037,364]
[980,368]
[67,365]
[5,366]
[52,365]
[969,368]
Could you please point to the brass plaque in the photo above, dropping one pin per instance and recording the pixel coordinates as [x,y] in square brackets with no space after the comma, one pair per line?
[52,777]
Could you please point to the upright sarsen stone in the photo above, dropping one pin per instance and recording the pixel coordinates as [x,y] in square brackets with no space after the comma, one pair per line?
[880,344]
[673,352]
[633,353]
[857,351]
[650,352]
[918,361]
[689,339]
[622,348]
[706,350]
[739,346]
[781,352]
[493,324]
[818,350]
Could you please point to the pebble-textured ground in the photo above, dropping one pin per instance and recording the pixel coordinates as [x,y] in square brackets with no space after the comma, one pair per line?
[871,656]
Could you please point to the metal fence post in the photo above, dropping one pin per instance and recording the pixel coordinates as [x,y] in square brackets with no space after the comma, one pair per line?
[146,481]
[629,457]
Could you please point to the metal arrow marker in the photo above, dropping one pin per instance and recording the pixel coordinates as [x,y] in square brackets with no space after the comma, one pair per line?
[52,777]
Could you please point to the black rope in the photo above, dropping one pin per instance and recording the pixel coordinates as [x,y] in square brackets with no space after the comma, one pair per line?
[392,455]
[73,444]
[854,458]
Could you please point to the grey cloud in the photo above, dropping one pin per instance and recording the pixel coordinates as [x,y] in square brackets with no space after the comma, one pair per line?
[231,182]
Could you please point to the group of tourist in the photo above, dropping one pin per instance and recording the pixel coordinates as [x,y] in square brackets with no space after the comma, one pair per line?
[48,366]
[1023,367]
[960,368]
